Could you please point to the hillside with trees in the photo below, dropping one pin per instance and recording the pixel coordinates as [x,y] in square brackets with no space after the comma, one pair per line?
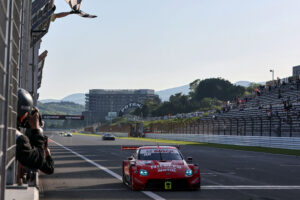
[207,94]
[60,108]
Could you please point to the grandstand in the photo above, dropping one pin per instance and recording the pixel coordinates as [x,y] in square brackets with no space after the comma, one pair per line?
[274,111]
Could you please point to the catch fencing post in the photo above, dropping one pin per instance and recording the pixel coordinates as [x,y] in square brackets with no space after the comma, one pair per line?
[244,122]
[230,126]
[291,127]
[252,126]
[270,128]
[237,126]
[213,126]
[218,127]
[261,126]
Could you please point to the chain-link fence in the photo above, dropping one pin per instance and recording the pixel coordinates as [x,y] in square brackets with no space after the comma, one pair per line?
[287,126]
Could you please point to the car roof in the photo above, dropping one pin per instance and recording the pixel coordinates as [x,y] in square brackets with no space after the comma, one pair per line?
[157,147]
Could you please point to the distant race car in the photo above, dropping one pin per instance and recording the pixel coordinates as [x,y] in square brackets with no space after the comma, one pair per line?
[108,136]
[68,134]
[159,167]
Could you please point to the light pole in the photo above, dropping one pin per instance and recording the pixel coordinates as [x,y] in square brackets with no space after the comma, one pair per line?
[272,70]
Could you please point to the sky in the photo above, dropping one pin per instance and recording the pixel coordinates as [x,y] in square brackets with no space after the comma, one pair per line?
[160,44]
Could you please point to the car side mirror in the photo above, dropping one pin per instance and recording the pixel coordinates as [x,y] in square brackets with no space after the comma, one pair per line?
[130,158]
[189,159]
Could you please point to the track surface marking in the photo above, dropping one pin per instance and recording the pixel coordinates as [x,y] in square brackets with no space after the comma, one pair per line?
[117,176]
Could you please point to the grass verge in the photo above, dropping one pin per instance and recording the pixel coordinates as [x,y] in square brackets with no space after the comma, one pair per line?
[222,146]
[87,134]
[213,145]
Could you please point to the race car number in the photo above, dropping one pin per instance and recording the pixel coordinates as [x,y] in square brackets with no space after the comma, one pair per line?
[168,185]
[148,152]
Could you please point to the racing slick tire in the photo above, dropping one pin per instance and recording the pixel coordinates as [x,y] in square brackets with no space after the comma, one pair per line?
[123,177]
[132,185]
[197,187]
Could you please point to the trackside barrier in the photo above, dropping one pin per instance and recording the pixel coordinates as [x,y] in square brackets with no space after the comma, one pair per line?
[261,141]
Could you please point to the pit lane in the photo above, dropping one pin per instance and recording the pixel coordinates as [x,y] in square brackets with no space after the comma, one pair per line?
[226,174]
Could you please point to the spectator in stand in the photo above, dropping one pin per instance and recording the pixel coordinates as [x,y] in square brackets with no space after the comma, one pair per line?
[269,111]
[269,114]
[279,94]
[242,107]
[290,105]
[288,100]
[257,102]
[239,101]
[257,91]
[278,81]
[284,104]
[287,104]
[223,109]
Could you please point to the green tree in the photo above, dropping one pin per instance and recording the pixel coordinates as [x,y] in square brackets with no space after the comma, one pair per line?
[217,88]
[252,87]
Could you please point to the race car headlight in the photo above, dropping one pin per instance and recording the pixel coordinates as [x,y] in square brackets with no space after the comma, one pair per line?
[143,172]
[189,172]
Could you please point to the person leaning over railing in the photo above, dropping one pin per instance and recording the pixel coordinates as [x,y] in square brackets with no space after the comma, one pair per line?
[32,147]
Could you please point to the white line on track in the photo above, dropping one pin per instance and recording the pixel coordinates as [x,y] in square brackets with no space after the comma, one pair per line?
[117,176]
[99,189]
[251,187]
[210,187]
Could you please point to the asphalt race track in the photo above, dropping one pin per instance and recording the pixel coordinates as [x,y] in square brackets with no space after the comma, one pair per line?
[88,168]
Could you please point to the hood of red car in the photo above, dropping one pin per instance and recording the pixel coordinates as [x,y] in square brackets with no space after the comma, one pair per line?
[163,167]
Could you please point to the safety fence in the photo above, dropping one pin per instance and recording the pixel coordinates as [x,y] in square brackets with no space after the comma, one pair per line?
[276,126]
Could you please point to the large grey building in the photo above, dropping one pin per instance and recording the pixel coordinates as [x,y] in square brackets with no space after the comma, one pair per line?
[99,103]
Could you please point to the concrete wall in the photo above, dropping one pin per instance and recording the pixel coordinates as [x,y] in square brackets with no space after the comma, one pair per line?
[262,141]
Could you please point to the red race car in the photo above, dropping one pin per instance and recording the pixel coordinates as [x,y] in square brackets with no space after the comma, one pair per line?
[159,167]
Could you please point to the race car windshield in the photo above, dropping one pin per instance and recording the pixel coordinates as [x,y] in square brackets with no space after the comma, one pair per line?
[159,154]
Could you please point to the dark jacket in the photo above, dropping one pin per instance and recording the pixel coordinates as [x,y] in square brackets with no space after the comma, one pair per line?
[31,154]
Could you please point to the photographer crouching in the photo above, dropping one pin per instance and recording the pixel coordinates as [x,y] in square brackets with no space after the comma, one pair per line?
[32,147]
